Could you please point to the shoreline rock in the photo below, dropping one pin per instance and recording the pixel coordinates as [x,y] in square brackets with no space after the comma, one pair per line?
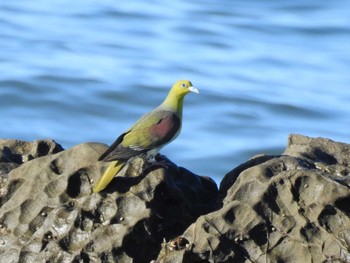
[293,207]
[13,153]
[49,214]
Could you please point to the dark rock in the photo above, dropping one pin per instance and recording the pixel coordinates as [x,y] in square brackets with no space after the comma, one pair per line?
[14,152]
[49,214]
[289,208]
[293,207]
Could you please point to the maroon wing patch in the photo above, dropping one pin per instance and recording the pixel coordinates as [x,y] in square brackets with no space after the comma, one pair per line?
[162,132]
[166,128]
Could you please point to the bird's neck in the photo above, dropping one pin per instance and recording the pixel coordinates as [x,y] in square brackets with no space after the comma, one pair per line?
[174,102]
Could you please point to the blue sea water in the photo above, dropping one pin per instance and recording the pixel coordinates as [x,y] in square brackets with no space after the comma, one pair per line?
[79,71]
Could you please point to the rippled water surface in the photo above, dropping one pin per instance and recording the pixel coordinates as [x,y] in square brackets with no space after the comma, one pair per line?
[78,71]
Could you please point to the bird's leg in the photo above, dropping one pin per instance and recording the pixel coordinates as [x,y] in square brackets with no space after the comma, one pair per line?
[160,160]
[157,160]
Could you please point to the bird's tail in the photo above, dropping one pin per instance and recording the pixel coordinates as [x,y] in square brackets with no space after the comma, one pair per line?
[111,171]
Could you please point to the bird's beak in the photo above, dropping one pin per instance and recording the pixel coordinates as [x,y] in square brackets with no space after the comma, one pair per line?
[193,89]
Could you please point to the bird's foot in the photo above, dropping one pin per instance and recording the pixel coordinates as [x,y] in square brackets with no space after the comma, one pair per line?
[157,161]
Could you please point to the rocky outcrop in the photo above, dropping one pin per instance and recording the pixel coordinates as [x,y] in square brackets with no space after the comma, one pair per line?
[14,152]
[49,214]
[293,207]
[289,208]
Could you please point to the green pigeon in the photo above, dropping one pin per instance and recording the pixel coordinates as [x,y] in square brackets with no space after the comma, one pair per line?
[148,135]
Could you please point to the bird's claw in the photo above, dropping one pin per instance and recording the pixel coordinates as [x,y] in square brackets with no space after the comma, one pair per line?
[157,161]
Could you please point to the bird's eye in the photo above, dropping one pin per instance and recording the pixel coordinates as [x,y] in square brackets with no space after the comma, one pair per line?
[183,85]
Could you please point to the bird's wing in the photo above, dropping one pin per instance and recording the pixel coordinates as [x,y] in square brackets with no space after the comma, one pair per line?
[152,131]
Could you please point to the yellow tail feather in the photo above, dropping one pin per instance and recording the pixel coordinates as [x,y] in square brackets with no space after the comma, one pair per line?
[108,175]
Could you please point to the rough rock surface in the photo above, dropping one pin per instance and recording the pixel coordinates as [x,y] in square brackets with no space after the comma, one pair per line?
[289,208]
[49,214]
[14,152]
[293,207]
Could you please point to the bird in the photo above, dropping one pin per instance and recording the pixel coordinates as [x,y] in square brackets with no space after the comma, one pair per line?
[148,135]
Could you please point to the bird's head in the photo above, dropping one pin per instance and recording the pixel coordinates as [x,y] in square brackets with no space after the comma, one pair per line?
[182,87]
[176,95]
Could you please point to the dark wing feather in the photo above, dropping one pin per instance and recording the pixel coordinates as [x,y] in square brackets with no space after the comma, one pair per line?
[117,152]
[112,147]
